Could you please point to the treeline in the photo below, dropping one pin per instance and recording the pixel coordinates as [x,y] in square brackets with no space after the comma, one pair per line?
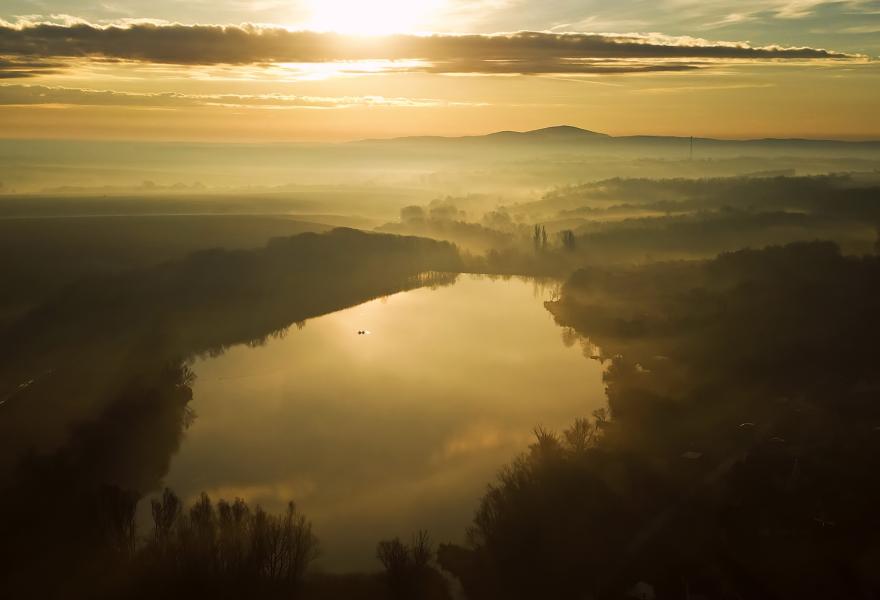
[840,194]
[40,255]
[639,221]
[739,454]
[443,220]
[227,549]
[215,298]
[222,549]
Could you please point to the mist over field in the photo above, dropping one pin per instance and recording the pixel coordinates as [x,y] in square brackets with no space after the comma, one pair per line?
[439,300]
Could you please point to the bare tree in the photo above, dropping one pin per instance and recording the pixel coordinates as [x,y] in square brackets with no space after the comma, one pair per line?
[117,511]
[166,512]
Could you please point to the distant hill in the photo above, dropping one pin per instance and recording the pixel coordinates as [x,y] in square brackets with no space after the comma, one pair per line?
[559,133]
[568,134]
[576,140]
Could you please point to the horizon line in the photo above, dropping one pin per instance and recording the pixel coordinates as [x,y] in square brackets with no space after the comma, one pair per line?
[871,138]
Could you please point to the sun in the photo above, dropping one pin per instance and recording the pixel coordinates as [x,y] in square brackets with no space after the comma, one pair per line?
[372,17]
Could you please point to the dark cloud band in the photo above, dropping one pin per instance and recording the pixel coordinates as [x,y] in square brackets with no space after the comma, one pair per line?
[20,68]
[521,52]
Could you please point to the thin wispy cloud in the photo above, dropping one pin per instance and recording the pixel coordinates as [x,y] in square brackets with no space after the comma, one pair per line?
[30,95]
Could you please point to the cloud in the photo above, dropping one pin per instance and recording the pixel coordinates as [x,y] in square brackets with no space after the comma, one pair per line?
[561,66]
[20,68]
[31,95]
[525,52]
[798,9]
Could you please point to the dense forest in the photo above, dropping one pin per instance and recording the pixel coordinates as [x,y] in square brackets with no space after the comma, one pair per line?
[737,455]
[635,221]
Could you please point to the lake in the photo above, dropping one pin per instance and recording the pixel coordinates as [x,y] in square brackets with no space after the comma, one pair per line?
[394,430]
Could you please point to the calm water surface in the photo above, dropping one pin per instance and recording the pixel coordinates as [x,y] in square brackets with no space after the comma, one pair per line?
[383,434]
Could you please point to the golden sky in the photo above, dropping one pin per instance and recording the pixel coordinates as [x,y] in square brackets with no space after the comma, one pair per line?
[266,70]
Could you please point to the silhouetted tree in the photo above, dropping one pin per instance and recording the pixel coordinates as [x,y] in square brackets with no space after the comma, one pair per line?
[117,511]
[232,522]
[539,238]
[408,570]
[550,525]
[166,512]
[227,548]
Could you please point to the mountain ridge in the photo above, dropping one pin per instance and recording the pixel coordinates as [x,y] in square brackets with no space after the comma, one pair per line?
[572,135]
